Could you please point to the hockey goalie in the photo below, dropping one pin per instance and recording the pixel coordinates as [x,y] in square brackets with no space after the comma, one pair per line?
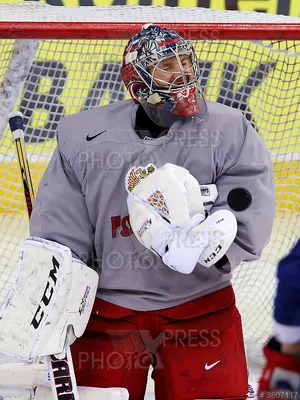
[162,218]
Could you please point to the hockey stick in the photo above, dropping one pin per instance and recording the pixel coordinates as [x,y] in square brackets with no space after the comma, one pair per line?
[17,130]
[61,370]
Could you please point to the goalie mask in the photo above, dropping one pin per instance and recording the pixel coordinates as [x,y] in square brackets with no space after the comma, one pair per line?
[160,70]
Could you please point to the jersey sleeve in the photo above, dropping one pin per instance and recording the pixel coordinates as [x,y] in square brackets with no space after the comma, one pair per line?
[287,299]
[250,169]
[60,213]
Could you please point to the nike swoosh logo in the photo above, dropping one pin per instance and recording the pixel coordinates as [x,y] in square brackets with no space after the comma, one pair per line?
[207,367]
[89,138]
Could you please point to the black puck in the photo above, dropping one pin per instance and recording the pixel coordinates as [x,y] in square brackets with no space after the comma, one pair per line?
[239,199]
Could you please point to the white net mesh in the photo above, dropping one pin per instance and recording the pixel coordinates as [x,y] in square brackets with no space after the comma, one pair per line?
[261,78]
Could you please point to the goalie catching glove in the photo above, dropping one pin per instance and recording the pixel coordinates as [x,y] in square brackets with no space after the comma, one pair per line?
[168,217]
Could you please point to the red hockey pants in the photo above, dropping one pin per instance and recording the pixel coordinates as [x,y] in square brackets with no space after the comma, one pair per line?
[196,349]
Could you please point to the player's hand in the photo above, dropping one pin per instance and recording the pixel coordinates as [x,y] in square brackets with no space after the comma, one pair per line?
[167,216]
[281,374]
[163,207]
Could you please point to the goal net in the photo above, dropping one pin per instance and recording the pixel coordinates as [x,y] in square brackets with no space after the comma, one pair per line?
[249,61]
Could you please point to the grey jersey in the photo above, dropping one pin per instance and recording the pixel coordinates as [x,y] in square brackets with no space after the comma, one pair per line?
[81,201]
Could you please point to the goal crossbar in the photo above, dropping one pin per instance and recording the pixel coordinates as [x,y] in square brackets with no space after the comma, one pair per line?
[118,30]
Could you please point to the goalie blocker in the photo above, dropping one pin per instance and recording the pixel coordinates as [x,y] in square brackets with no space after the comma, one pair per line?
[52,292]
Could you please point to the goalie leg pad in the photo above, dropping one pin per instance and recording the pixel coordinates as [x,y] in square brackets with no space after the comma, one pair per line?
[52,291]
[23,381]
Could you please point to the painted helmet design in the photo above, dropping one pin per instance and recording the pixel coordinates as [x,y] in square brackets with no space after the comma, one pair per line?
[161,71]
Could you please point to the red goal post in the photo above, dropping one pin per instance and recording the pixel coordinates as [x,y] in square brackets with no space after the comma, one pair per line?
[60,60]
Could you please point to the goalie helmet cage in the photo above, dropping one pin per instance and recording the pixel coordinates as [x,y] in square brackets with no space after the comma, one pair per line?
[57,60]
